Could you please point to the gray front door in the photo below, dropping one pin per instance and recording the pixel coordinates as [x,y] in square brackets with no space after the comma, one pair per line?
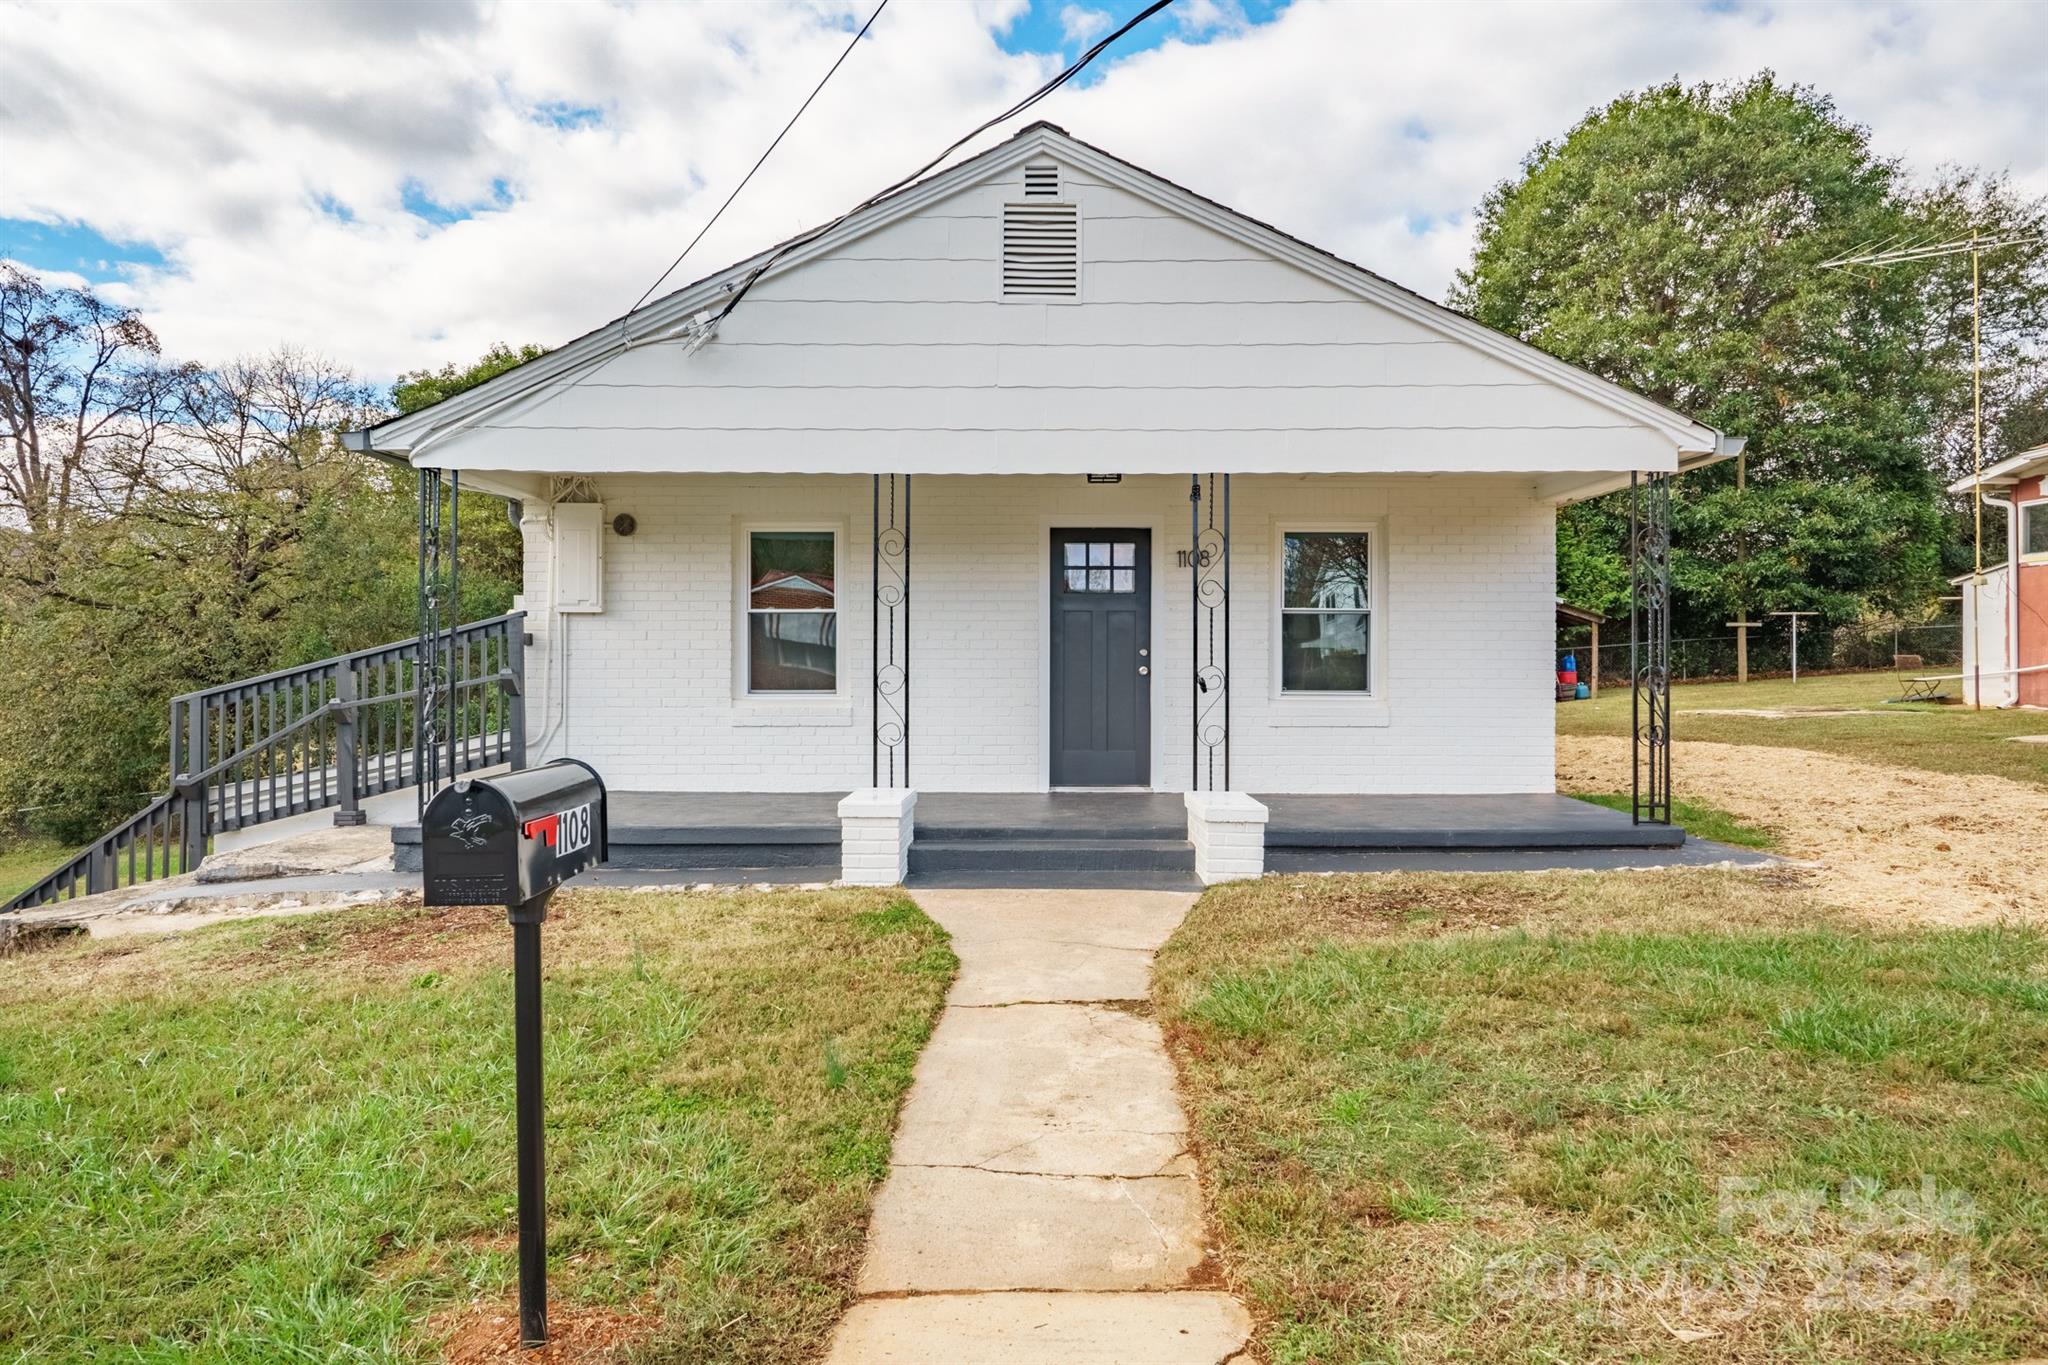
[1101,658]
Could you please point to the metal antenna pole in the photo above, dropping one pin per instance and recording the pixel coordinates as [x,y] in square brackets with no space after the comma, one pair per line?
[1977,466]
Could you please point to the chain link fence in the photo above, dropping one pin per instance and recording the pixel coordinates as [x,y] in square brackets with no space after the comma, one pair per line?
[1839,649]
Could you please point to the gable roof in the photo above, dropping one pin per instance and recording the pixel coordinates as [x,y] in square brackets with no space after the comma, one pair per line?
[674,315]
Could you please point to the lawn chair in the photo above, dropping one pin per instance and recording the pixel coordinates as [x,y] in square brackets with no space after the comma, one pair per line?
[1915,683]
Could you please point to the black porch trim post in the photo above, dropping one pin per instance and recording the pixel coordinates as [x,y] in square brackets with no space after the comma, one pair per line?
[889,635]
[1209,632]
[432,688]
[449,681]
[1649,648]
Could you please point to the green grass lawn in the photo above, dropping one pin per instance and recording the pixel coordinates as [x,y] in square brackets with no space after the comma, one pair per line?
[1947,739]
[1490,1119]
[1697,818]
[24,862]
[292,1140]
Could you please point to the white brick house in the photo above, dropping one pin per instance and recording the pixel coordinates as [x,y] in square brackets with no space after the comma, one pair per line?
[966,365]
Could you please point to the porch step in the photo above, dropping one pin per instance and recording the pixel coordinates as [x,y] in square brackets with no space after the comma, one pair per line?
[1084,853]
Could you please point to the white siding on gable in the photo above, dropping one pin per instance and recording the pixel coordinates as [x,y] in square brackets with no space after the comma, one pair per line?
[898,351]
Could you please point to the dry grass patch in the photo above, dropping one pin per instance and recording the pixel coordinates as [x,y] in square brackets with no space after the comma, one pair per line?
[1490,1118]
[1902,845]
[290,1139]
[1850,715]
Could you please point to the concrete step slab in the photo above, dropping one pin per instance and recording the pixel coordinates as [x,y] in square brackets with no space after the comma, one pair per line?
[1045,1089]
[940,1229]
[1036,945]
[1186,1328]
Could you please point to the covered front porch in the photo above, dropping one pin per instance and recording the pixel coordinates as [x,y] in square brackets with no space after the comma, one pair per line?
[949,837]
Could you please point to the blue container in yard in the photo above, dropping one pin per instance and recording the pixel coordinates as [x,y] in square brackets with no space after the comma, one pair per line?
[1584,692]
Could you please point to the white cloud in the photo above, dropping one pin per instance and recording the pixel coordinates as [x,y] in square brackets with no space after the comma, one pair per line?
[1080,25]
[269,150]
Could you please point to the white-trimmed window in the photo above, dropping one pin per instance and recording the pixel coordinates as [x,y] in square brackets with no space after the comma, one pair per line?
[1326,613]
[2034,530]
[792,612]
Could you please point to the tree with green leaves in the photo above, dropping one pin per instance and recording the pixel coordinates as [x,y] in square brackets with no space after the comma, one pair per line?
[1674,242]
[212,527]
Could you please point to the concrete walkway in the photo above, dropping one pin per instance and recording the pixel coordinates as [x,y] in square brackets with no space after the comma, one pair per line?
[1042,1205]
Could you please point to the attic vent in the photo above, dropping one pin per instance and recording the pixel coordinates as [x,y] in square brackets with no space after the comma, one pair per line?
[1041,182]
[1041,250]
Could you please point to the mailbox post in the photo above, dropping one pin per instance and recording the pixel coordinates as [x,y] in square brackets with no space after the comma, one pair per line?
[511,841]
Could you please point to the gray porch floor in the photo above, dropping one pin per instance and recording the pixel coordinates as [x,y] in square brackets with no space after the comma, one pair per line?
[1116,838]
[1305,822]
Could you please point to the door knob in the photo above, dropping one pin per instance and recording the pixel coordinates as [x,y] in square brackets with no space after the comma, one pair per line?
[1143,671]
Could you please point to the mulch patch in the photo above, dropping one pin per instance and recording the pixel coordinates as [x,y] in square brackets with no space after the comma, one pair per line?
[485,1332]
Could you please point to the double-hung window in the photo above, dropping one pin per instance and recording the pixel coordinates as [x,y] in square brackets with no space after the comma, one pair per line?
[2034,530]
[792,612]
[1326,609]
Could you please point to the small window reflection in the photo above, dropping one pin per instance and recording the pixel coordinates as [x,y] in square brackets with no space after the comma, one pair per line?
[1098,554]
[1126,554]
[1098,580]
[1077,553]
[1124,580]
[1077,580]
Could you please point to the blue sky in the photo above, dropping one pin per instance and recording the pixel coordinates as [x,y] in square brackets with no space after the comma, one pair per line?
[74,249]
[1069,28]
[404,183]
[1062,28]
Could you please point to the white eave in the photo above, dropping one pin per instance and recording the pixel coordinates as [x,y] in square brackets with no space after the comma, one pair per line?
[1690,443]
[2006,472]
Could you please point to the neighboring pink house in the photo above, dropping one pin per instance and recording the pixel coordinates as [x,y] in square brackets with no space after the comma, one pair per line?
[2005,613]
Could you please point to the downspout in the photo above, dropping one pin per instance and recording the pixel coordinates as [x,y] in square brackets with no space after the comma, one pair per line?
[2012,592]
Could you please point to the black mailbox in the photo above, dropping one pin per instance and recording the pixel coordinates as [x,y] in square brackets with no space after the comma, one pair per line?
[510,840]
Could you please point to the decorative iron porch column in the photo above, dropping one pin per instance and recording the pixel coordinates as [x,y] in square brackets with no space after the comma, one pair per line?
[1649,647]
[435,695]
[890,637]
[1208,561]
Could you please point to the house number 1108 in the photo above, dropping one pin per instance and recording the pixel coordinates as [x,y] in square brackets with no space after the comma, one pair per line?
[1194,559]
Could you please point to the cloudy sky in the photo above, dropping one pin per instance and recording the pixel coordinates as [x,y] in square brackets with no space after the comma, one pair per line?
[402,183]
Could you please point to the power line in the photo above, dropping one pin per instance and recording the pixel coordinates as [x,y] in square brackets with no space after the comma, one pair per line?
[1019,107]
[1891,252]
[759,161]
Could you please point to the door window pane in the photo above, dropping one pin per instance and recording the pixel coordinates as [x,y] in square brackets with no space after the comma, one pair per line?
[1123,580]
[1077,552]
[1098,580]
[1098,554]
[1325,651]
[1077,579]
[1125,554]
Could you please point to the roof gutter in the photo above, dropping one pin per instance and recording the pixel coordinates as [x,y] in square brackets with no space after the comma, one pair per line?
[362,443]
[1725,448]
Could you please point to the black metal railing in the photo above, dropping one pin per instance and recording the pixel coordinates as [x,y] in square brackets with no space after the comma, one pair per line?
[321,736]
